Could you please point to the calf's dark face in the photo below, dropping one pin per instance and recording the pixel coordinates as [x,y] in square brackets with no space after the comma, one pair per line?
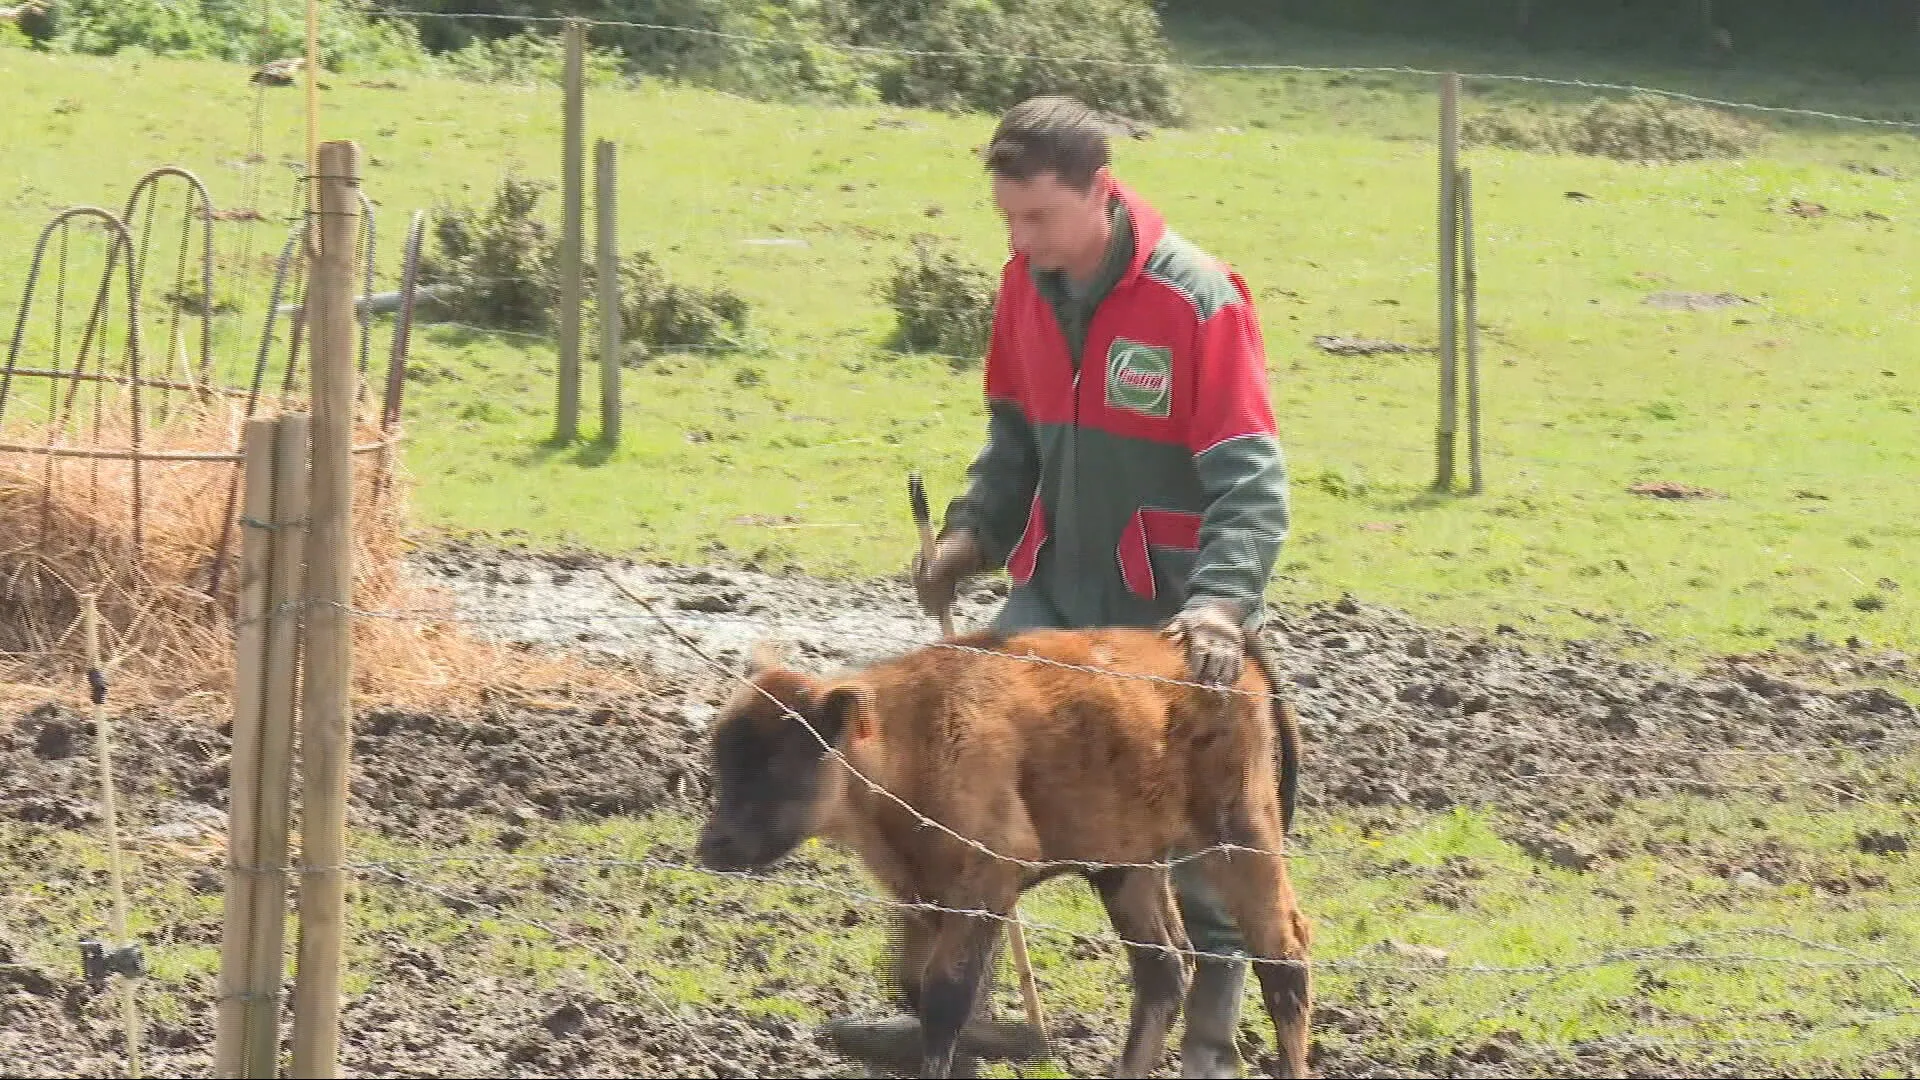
[768,771]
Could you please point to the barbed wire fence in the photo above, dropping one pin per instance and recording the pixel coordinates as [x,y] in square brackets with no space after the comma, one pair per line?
[1708,770]
[1692,951]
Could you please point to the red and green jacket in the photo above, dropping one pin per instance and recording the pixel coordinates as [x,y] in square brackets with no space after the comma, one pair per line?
[1148,477]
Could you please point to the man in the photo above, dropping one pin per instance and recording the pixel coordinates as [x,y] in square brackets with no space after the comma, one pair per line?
[1132,475]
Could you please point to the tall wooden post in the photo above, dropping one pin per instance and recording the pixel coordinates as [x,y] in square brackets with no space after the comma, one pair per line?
[243,791]
[325,718]
[1449,277]
[290,506]
[572,233]
[606,200]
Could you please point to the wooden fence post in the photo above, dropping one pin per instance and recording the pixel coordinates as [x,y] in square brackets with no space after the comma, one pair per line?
[1449,277]
[243,790]
[572,238]
[606,202]
[276,743]
[325,716]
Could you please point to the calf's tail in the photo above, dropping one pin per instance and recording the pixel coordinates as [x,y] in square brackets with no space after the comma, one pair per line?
[1287,727]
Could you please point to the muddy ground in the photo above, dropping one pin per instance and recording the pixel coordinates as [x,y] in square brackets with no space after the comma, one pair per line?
[1395,715]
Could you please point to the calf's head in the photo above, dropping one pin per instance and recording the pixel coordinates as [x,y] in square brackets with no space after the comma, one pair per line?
[772,777]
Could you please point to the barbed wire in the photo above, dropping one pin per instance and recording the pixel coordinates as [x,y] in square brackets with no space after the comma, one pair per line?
[1292,442]
[503,617]
[1684,953]
[1145,65]
[1679,953]
[1490,733]
[1298,449]
[753,686]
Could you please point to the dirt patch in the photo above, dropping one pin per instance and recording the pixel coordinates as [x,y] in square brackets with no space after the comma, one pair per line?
[417,776]
[1694,301]
[1673,489]
[1871,169]
[1346,346]
[1829,664]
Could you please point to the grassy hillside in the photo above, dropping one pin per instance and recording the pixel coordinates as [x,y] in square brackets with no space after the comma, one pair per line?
[1800,407]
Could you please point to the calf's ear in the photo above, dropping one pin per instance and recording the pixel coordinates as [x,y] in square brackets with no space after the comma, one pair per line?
[843,707]
[764,657]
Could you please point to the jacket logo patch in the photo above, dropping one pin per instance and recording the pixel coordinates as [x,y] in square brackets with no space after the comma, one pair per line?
[1140,378]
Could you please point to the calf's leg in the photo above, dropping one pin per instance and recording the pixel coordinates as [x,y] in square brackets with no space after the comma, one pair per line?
[1256,890]
[893,1042]
[1137,904]
[956,975]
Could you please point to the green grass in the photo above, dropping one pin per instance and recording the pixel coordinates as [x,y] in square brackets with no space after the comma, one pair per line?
[1801,409]
[1658,940]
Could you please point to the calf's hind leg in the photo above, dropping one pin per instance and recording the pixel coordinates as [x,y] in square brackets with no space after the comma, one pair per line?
[1255,888]
[1137,904]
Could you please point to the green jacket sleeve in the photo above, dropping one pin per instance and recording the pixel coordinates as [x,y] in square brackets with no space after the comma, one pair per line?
[1000,486]
[1237,455]
[1003,478]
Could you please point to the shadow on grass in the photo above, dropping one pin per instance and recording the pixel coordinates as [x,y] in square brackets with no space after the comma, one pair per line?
[584,451]
[1417,500]
[460,335]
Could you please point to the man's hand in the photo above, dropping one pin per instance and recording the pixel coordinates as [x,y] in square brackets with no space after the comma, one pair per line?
[955,557]
[1216,646]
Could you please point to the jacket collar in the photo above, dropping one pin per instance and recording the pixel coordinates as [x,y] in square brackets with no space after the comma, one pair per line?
[1148,228]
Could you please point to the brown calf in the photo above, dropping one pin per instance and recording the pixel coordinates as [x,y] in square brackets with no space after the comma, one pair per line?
[1039,763]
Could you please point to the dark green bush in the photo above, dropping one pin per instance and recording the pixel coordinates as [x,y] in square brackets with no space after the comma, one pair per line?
[232,30]
[942,302]
[660,313]
[995,49]
[527,57]
[503,269]
[988,54]
[502,263]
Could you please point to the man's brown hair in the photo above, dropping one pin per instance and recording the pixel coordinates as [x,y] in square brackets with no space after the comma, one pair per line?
[1050,134]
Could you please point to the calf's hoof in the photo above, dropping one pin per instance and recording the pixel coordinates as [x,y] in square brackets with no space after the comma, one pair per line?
[893,1042]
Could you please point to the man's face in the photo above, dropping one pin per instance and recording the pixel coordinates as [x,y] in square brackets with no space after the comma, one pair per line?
[1052,223]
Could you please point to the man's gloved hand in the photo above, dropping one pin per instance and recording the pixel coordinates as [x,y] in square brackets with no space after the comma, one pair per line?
[955,557]
[1216,645]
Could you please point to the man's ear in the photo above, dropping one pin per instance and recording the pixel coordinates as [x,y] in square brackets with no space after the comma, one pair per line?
[848,706]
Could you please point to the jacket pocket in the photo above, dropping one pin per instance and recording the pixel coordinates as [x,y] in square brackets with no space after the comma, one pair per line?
[1171,530]
[1026,553]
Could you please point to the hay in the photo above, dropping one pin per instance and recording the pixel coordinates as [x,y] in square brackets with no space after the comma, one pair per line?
[66,527]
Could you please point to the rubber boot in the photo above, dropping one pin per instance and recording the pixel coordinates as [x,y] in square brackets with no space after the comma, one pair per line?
[1209,1046]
